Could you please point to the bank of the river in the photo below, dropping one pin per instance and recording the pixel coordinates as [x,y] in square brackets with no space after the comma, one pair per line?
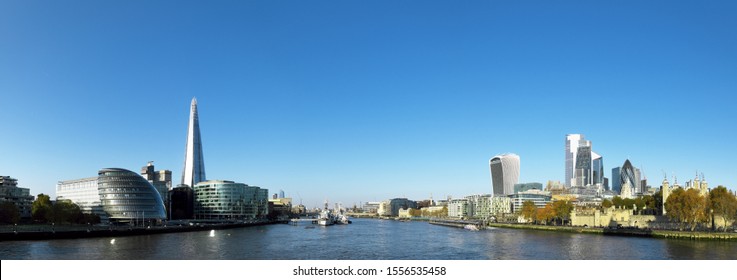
[627,232]
[77,232]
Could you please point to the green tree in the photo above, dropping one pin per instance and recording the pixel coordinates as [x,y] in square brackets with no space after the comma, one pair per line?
[628,203]
[9,213]
[606,203]
[687,207]
[65,211]
[41,208]
[528,210]
[562,210]
[724,204]
[618,202]
[639,203]
[658,197]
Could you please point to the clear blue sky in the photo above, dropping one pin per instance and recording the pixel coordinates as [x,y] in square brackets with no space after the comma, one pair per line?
[357,101]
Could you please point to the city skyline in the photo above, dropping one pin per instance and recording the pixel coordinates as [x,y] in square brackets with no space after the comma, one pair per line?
[329,104]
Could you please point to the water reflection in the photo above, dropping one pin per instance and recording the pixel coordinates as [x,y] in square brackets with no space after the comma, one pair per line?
[369,239]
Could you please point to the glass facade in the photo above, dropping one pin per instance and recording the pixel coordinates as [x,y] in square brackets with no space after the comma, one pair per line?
[627,175]
[194,163]
[128,197]
[83,192]
[504,173]
[227,200]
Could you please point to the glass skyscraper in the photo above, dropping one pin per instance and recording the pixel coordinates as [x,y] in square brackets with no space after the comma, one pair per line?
[504,173]
[194,163]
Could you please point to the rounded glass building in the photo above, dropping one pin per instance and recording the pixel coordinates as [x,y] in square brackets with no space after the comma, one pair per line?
[129,198]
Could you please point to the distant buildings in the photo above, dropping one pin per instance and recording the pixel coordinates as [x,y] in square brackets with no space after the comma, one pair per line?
[391,207]
[584,167]
[527,186]
[20,197]
[504,173]
[128,197]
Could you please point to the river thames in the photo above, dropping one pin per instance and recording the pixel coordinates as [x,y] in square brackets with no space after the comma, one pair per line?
[369,239]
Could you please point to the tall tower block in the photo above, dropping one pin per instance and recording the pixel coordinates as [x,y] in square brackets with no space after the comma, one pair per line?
[194,163]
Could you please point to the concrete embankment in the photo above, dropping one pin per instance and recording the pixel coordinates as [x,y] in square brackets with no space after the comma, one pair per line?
[119,231]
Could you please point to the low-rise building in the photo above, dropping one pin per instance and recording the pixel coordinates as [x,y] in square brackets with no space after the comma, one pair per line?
[83,192]
[540,198]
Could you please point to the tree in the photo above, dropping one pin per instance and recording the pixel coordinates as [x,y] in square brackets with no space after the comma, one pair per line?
[545,214]
[9,213]
[415,212]
[65,211]
[628,203]
[562,210]
[618,201]
[724,204]
[687,207]
[41,208]
[606,203]
[528,210]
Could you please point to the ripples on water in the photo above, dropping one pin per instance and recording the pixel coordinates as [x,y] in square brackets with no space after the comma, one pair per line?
[372,240]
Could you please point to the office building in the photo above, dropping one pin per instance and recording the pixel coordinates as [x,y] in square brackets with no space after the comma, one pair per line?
[129,198]
[572,141]
[628,175]
[181,203]
[20,197]
[83,192]
[583,172]
[522,187]
[228,200]
[616,180]
[194,163]
[597,169]
[161,180]
[540,198]
[504,171]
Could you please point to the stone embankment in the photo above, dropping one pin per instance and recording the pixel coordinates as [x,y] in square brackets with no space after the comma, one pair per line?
[119,231]
[627,232]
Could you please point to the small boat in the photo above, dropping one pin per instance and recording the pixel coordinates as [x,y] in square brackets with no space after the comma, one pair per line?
[212,233]
[471,227]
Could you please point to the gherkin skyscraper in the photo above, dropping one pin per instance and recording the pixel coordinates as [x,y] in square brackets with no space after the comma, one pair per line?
[194,163]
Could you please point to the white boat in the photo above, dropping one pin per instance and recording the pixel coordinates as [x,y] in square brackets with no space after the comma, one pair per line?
[471,227]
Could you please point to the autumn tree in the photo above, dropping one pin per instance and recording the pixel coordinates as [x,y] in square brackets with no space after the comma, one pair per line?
[562,210]
[528,210]
[687,207]
[724,204]
[545,214]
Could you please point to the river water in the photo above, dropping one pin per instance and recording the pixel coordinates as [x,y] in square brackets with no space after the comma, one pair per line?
[369,239]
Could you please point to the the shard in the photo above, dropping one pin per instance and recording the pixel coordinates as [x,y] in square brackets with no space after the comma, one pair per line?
[194,163]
